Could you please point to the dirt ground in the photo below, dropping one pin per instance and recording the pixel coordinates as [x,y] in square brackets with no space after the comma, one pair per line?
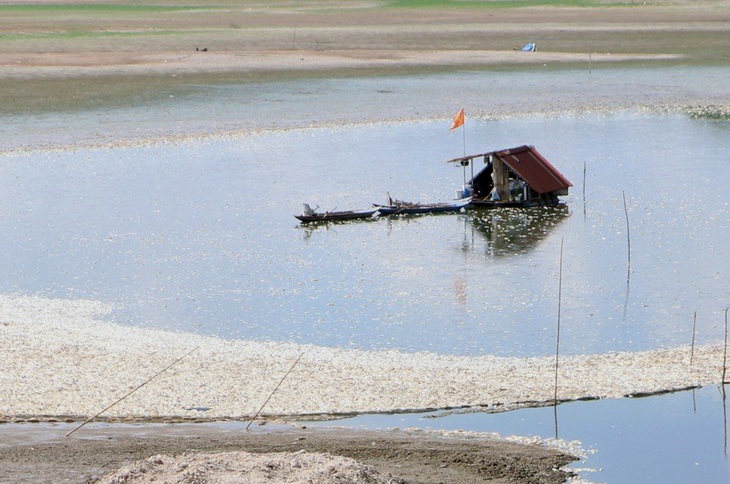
[111,54]
[412,457]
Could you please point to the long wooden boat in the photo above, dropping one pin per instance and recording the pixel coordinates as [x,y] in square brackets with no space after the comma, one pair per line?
[310,215]
[398,207]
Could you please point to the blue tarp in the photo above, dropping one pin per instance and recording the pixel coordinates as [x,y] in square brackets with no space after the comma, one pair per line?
[529,47]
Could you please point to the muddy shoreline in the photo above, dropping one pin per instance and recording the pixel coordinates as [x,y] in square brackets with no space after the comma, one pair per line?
[408,456]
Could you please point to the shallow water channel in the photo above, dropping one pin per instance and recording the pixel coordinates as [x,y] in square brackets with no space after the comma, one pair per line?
[199,236]
[679,437]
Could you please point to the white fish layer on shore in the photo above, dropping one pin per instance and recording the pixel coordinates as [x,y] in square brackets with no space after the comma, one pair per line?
[60,358]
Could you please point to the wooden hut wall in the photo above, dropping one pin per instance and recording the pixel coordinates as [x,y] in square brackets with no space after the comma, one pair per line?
[501,178]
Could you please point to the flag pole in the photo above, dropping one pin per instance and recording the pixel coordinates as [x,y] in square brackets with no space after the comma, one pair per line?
[459,122]
[463,136]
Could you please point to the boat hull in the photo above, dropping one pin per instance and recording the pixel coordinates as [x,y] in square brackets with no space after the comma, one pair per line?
[417,209]
[335,216]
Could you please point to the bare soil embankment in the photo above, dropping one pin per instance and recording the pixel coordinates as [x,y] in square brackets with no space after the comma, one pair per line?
[94,56]
[211,455]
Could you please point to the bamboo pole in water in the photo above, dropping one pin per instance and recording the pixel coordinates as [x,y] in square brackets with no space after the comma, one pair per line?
[724,353]
[722,385]
[134,390]
[584,189]
[557,339]
[628,230]
[589,61]
[694,335]
[274,390]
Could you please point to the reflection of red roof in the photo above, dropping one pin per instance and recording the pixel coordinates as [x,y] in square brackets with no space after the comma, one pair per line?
[533,168]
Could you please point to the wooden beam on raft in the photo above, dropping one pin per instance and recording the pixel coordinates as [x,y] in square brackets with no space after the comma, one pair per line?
[500,176]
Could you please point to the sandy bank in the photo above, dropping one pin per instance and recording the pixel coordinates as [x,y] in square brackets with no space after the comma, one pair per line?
[70,66]
[60,359]
[123,56]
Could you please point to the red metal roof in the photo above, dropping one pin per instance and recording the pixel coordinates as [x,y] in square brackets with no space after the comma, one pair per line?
[533,168]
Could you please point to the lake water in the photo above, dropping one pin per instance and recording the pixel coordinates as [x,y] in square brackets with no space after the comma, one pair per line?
[679,438]
[199,236]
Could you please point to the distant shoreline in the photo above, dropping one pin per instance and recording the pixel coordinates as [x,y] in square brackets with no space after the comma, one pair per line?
[104,58]
[201,108]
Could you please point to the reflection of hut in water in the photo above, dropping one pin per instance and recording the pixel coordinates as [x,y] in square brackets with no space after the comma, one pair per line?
[516,231]
[517,177]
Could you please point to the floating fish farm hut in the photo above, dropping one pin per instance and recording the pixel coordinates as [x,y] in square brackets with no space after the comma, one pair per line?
[515,177]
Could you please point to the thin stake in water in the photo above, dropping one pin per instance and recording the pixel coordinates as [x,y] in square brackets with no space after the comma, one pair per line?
[628,231]
[134,390]
[584,189]
[694,334]
[589,61]
[274,391]
[722,385]
[557,342]
[724,353]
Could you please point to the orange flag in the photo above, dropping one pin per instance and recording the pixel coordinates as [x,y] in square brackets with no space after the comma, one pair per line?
[458,120]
